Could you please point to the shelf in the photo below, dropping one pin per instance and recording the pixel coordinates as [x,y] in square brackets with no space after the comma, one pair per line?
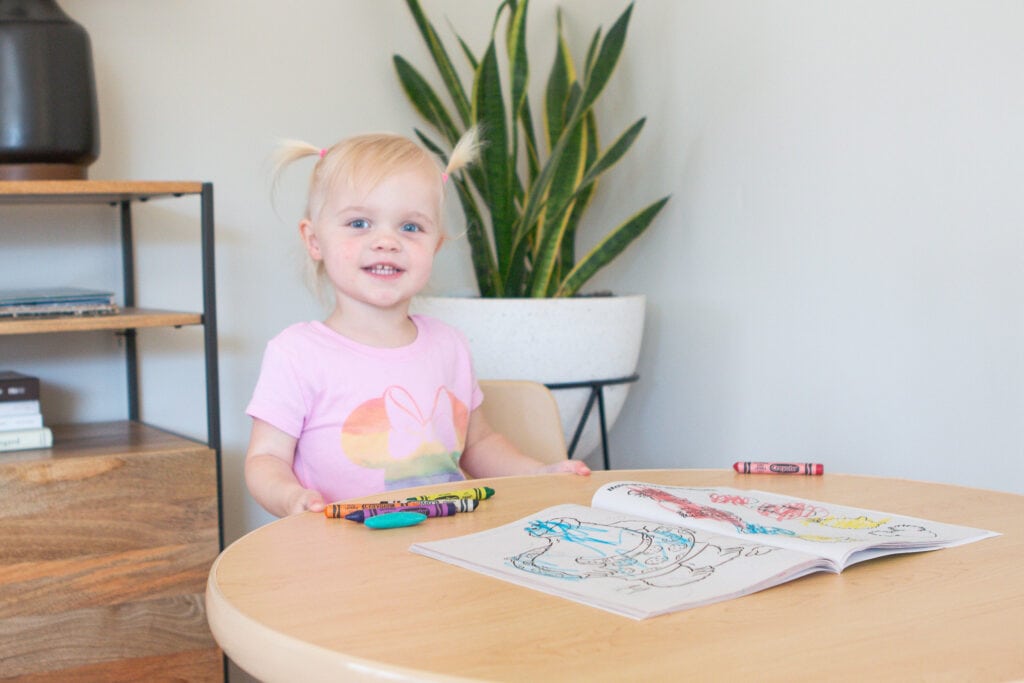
[107,537]
[114,439]
[91,191]
[128,318]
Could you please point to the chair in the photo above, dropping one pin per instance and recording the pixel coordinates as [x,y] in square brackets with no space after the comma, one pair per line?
[526,414]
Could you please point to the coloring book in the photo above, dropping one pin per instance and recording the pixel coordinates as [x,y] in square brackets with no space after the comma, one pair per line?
[647,549]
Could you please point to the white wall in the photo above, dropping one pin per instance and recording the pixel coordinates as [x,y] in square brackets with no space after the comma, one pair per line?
[837,277]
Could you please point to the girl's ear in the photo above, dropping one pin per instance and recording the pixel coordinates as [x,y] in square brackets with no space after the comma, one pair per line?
[309,239]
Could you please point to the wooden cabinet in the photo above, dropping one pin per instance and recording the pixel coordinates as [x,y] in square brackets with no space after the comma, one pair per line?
[106,538]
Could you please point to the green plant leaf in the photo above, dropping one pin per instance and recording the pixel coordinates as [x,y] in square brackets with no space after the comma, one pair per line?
[519,69]
[555,219]
[610,247]
[467,52]
[424,99]
[581,203]
[523,216]
[588,63]
[606,61]
[495,159]
[441,60]
[485,269]
[615,152]
[560,78]
[530,147]
[519,64]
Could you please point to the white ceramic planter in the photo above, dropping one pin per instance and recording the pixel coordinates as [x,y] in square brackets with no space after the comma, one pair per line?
[552,341]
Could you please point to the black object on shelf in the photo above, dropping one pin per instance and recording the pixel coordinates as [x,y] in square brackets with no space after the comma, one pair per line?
[49,121]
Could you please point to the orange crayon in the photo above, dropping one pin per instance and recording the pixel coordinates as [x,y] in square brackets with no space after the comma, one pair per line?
[338,510]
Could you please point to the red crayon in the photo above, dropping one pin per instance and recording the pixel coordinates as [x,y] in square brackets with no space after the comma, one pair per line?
[779,468]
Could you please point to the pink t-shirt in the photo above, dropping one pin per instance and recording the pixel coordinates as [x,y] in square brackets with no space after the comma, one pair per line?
[369,419]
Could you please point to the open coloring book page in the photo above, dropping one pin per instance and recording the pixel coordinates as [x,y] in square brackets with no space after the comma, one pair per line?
[843,535]
[621,563]
[646,549]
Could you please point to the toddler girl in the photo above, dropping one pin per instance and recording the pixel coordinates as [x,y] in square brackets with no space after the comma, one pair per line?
[371,398]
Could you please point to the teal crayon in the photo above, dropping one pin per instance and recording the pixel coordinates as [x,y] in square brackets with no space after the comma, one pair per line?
[394,520]
[479,493]
[433,509]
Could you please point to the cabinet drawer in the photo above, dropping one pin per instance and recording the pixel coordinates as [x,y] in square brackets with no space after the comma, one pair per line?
[105,544]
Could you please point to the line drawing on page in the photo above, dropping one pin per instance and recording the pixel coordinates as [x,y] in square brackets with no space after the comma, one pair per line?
[643,554]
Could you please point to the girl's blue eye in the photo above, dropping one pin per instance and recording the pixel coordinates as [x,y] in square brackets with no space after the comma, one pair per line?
[359,223]
[411,227]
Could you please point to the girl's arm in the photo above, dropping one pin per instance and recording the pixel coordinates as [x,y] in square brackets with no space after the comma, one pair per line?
[269,475]
[489,454]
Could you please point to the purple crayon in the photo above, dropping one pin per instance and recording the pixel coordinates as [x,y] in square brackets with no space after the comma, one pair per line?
[439,509]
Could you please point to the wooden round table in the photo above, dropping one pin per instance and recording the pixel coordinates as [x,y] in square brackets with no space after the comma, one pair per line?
[307,598]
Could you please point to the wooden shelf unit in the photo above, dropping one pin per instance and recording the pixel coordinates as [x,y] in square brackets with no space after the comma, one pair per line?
[125,319]
[106,538]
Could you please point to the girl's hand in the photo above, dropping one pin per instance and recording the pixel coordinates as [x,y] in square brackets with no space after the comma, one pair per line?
[566,467]
[305,500]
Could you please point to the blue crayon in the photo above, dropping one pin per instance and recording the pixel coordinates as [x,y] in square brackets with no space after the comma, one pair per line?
[444,509]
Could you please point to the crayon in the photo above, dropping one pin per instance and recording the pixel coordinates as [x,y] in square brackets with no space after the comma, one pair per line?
[480,493]
[439,509]
[809,468]
[394,520]
[338,510]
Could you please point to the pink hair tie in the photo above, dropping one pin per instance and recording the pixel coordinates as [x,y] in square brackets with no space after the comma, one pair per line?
[444,177]
[323,152]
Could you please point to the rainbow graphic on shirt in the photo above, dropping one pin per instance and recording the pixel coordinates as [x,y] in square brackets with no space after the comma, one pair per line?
[412,445]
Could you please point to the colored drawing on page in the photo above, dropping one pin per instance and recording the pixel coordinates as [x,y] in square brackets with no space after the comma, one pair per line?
[688,509]
[805,513]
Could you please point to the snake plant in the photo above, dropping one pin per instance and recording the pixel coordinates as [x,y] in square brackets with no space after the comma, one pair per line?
[525,199]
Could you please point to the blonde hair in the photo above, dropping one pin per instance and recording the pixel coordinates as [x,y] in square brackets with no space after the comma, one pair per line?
[368,159]
[365,160]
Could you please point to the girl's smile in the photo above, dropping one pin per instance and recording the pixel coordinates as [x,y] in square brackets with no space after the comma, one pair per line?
[383,270]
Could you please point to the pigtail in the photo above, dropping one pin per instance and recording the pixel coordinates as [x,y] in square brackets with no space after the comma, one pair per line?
[467,151]
[288,152]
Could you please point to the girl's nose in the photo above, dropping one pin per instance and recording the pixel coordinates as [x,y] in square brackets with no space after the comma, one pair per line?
[385,241]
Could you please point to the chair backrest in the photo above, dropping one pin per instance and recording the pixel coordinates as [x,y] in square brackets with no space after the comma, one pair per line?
[527,415]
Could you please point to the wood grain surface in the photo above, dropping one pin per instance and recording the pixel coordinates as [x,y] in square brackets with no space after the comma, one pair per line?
[105,543]
[308,598]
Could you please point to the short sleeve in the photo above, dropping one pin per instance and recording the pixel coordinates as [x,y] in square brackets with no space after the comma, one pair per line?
[278,398]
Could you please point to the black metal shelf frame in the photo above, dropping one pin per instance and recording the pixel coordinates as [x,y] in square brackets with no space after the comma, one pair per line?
[596,387]
[209,321]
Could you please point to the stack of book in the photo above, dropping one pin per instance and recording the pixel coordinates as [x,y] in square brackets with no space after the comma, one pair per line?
[51,301]
[21,420]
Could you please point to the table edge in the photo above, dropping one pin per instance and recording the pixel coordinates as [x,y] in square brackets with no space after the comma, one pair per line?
[227,622]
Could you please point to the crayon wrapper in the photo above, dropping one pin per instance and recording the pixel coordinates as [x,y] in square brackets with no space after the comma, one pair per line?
[439,509]
[339,510]
[479,493]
